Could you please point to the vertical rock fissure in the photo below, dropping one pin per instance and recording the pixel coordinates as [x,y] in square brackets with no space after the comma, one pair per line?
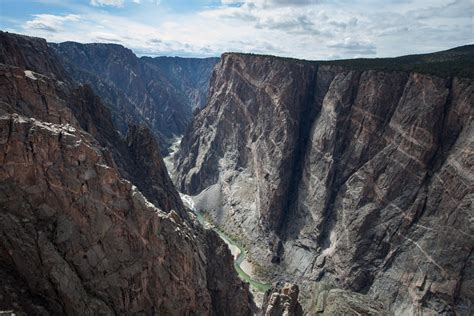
[440,155]
[335,183]
[309,111]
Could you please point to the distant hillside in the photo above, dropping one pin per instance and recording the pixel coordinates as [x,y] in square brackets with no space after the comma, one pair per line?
[455,62]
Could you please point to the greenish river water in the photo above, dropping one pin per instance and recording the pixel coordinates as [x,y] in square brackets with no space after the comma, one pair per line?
[258,286]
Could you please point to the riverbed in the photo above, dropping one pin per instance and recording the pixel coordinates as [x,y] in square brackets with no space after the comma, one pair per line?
[243,267]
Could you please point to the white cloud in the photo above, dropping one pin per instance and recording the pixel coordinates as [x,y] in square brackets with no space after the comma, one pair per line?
[301,29]
[112,3]
[269,3]
[156,2]
[354,47]
[50,22]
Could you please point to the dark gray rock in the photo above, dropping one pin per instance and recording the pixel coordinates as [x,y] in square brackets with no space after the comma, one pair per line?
[361,179]
[282,300]
[158,92]
[77,238]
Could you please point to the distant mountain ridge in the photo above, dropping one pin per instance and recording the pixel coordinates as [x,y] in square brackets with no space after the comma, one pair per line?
[159,92]
[454,62]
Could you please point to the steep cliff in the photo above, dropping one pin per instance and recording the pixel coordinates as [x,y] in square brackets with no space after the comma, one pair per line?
[78,238]
[137,155]
[32,94]
[282,300]
[359,176]
[190,76]
[159,92]
[87,242]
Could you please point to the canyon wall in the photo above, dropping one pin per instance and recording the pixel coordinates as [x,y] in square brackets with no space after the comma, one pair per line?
[355,176]
[160,92]
[78,236]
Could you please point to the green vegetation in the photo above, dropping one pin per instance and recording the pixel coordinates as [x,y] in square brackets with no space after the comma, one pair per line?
[260,271]
[203,218]
[456,62]
[259,286]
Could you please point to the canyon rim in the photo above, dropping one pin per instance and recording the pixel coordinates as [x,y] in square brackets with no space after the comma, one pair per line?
[253,157]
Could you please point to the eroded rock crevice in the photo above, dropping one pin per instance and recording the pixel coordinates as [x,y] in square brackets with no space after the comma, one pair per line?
[352,189]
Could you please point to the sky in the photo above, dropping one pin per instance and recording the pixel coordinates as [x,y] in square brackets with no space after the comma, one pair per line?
[309,29]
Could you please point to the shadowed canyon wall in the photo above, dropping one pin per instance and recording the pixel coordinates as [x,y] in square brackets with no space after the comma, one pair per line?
[78,236]
[160,92]
[356,176]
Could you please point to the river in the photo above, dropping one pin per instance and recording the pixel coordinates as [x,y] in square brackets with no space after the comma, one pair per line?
[237,250]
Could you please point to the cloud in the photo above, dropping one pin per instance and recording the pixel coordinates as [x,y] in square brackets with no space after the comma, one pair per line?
[269,3]
[287,2]
[50,22]
[355,47]
[112,3]
[106,37]
[306,29]
[294,24]
[157,2]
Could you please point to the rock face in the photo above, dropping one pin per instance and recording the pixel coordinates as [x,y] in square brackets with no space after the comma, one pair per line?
[78,238]
[282,301]
[32,94]
[190,76]
[16,49]
[88,242]
[159,92]
[358,178]
[334,301]
[137,156]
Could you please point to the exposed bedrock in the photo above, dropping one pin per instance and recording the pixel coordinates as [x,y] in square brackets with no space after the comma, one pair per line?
[160,92]
[78,237]
[32,94]
[282,300]
[88,242]
[361,179]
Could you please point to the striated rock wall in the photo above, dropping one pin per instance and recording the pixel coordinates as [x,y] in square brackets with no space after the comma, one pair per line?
[77,238]
[362,179]
[88,242]
[32,94]
[244,142]
[282,300]
[158,92]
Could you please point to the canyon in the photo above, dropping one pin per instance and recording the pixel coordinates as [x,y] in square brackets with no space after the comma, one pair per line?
[160,93]
[78,236]
[347,185]
[345,175]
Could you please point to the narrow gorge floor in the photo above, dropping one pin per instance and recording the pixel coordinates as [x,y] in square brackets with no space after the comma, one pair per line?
[243,266]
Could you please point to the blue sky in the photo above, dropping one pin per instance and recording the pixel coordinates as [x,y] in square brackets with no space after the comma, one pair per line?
[311,29]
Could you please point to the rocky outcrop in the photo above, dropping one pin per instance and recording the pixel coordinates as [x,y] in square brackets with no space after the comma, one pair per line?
[16,50]
[333,301]
[88,242]
[32,94]
[150,171]
[282,300]
[190,76]
[345,176]
[137,156]
[77,237]
[158,92]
